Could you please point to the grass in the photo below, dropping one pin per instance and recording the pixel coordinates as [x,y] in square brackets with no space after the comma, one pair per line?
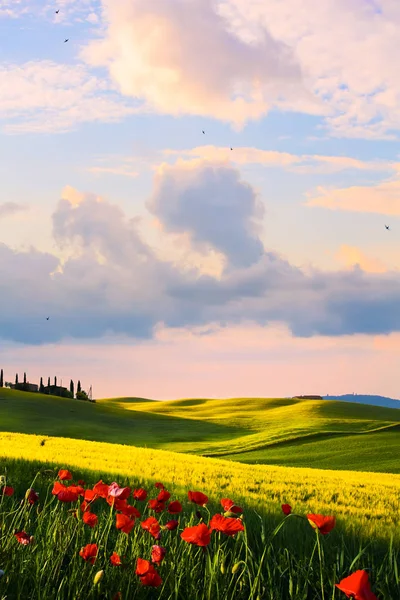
[290,432]
[273,558]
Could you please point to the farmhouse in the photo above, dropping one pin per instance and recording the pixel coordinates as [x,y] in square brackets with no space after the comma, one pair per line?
[55,390]
[26,387]
[308,397]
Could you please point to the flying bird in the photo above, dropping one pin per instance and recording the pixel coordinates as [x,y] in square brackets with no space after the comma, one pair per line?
[66,40]
[47,318]
[231,148]
[57,11]
[387,227]
[203,132]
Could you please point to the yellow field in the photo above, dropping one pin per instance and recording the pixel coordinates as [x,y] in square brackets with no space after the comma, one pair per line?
[368,502]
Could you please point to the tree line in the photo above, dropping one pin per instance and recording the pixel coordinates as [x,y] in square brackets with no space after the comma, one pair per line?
[49,389]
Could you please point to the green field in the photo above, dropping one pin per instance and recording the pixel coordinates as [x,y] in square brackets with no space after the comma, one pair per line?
[288,432]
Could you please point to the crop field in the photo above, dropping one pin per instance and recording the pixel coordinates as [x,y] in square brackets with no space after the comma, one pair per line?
[303,433]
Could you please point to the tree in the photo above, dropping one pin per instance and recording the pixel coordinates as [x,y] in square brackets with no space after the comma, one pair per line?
[71,388]
[1,378]
[24,378]
[78,388]
[81,395]
[41,387]
[16,379]
[55,380]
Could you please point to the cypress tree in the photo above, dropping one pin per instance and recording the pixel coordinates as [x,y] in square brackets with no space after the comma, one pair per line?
[78,388]
[41,387]
[55,380]
[71,388]
[16,379]
[48,382]
[24,377]
[1,378]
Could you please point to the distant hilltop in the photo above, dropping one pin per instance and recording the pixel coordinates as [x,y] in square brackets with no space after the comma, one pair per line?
[366,399]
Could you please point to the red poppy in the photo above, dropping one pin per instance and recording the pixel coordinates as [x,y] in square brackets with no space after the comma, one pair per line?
[90,495]
[64,475]
[323,524]
[163,496]
[157,554]
[78,489]
[229,506]
[31,496]
[152,526]
[115,559]
[140,494]
[117,492]
[67,495]
[100,489]
[357,586]
[199,535]
[81,482]
[198,498]
[57,488]
[7,491]
[90,519]
[126,509]
[125,523]
[174,508]
[117,596]
[23,538]
[89,553]
[286,509]
[157,506]
[147,573]
[171,525]
[227,525]
[159,485]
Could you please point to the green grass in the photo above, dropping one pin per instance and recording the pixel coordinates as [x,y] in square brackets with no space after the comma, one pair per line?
[324,434]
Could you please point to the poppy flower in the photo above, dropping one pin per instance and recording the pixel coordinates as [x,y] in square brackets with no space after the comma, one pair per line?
[226,525]
[147,573]
[229,506]
[163,496]
[101,489]
[7,491]
[323,524]
[159,485]
[286,509]
[89,553]
[117,492]
[31,496]
[157,554]
[23,538]
[115,559]
[171,525]
[140,494]
[174,508]
[90,519]
[67,495]
[357,586]
[57,488]
[198,498]
[125,523]
[64,475]
[152,526]
[199,535]
[117,596]
[81,482]
[126,509]
[156,505]
[78,489]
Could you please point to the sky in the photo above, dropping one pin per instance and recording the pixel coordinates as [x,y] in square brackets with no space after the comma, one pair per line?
[195,192]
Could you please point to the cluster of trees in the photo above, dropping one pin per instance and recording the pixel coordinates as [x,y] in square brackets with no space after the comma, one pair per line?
[49,389]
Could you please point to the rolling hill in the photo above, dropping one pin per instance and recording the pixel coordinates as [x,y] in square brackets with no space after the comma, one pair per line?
[367,399]
[289,432]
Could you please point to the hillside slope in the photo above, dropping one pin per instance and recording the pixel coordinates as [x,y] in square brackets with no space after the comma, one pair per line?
[335,435]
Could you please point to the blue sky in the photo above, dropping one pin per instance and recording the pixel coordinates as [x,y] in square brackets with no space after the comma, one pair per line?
[137,231]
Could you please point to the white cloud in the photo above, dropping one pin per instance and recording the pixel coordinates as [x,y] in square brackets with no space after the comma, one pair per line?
[43,96]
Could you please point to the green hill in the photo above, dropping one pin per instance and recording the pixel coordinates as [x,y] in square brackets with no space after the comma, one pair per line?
[292,432]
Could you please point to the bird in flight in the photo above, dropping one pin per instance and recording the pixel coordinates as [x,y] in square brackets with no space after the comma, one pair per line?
[66,40]
[57,11]
[231,148]
[203,132]
[47,318]
[387,227]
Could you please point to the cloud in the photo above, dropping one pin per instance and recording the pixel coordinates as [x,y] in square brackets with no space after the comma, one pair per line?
[110,282]
[212,205]
[350,256]
[9,209]
[43,96]
[182,58]
[306,163]
[383,198]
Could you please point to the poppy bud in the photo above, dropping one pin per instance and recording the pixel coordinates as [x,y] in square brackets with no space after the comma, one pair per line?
[222,568]
[228,513]
[98,577]
[235,568]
